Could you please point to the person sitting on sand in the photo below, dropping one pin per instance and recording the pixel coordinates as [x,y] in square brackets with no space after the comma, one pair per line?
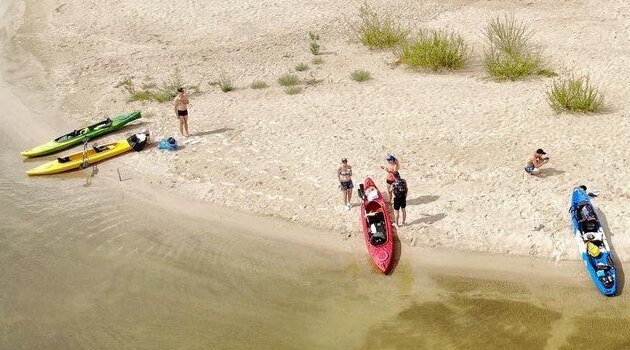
[181,103]
[535,161]
[399,189]
[344,174]
[393,165]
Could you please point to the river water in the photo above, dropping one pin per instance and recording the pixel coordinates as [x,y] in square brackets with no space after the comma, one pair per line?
[94,263]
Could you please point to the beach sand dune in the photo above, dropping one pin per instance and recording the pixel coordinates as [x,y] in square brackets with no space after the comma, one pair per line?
[461,137]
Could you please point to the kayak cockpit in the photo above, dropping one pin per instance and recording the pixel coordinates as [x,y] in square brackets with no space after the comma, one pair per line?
[377,226]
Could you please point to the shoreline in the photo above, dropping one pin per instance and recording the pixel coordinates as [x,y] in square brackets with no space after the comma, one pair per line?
[254,180]
[94,262]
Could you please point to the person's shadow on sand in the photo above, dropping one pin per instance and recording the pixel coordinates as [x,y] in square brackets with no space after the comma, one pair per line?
[620,275]
[429,219]
[422,200]
[211,132]
[545,172]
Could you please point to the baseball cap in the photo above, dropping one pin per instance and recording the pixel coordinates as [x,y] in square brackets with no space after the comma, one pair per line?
[540,151]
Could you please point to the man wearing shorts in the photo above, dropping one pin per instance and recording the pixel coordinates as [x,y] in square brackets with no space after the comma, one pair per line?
[535,161]
[181,103]
[399,189]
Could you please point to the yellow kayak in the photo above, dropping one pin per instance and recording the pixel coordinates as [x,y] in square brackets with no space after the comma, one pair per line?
[81,160]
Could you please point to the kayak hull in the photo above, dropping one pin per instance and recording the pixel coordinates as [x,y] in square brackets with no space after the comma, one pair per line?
[78,136]
[600,268]
[76,160]
[377,227]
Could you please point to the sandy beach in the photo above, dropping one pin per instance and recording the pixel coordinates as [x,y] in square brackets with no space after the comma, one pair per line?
[239,240]
[461,137]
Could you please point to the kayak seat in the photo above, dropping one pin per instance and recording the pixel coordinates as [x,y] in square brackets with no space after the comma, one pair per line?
[374,218]
[63,159]
[377,233]
[589,226]
[602,266]
[100,149]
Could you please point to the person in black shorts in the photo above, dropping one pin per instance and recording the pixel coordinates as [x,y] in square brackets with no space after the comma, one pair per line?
[344,174]
[399,189]
[181,103]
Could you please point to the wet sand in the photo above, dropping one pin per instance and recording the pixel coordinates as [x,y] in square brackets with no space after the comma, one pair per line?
[95,263]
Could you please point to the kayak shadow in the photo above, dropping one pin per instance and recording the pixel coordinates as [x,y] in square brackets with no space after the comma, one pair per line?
[620,275]
[397,252]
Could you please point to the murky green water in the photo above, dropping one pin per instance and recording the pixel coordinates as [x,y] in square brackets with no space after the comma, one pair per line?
[109,272]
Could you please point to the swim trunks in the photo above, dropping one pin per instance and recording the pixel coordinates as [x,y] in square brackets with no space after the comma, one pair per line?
[529,169]
[183,113]
[400,202]
[348,185]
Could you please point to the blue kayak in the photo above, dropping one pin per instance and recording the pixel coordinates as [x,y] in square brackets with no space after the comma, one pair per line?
[592,243]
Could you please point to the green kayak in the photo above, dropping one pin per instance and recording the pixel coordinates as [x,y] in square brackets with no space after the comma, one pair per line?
[77,136]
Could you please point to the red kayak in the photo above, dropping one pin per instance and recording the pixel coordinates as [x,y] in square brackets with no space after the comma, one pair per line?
[377,225]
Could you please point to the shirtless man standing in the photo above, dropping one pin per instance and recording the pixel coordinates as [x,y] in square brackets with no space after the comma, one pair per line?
[181,103]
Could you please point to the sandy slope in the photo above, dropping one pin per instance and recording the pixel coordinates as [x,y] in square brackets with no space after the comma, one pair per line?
[462,139]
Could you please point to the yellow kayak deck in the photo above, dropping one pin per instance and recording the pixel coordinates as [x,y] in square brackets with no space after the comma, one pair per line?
[74,161]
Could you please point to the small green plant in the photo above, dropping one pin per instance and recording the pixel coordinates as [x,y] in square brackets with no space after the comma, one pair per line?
[317,60]
[127,84]
[509,55]
[288,80]
[360,75]
[575,94]
[378,31]
[293,90]
[224,83]
[314,47]
[313,81]
[259,84]
[435,50]
[301,67]
[150,91]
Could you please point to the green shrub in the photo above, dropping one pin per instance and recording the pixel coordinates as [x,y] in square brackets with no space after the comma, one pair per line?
[288,80]
[360,75]
[301,67]
[509,55]
[293,90]
[313,36]
[378,31]
[314,48]
[259,84]
[317,60]
[150,91]
[575,94]
[313,81]
[224,83]
[435,50]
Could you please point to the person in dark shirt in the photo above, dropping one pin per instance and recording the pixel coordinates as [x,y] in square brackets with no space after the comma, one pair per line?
[399,189]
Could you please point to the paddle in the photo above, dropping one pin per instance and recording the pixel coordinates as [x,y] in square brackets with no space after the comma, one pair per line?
[85,164]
